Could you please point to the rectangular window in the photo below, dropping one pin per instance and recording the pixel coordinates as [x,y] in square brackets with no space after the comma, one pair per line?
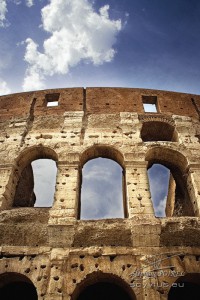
[150,104]
[52,100]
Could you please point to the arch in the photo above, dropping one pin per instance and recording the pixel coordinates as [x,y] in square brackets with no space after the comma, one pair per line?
[35,152]
[105,152]
[167,157]
[16,286]
[97,283]
[185,287]
[158,131]
[178,199]
[22,193]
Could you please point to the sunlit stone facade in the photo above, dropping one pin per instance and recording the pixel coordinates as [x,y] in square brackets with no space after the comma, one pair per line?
[54,255]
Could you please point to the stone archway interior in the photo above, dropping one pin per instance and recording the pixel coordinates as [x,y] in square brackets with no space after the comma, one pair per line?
[186,287]
[104,291]
[18,290]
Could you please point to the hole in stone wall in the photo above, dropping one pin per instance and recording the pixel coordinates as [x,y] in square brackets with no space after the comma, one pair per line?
[52,100]
[159,183]
[44,172]
[170,197]
[158,131]
[36,186]
[150,104]
[102,190]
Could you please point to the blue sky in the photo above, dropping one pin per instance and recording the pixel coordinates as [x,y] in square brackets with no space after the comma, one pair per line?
[101,194]
[125,43]
[129,43]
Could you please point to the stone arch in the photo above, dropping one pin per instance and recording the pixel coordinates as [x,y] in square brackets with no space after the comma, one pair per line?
[103,151]
[22,175]
[35,152]
[185,287]
[17,286]
[158,130]
[166,156]
[99,281]
[178,199]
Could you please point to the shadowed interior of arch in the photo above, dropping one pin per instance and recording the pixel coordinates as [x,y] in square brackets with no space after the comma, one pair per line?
[105,291]
[186,287]
[169,192]
[102,190]
[98,286]
[36,186]
[16,286]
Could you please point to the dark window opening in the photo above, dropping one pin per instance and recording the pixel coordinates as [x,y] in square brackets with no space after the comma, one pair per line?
[158,131]
[186,287]
[150,104]
[103,190]
[100,286]
[52,100]
[104,290]
[168,191]
[16,286]
[36,185]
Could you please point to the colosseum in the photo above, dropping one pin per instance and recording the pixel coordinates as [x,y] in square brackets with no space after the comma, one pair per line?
[51,253]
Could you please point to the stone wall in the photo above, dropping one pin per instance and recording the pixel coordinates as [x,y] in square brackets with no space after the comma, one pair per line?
[51,247]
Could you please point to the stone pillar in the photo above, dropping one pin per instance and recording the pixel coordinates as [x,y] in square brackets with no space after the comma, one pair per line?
[193,185]
[170,197]
[7,186]
[65,205]
[138,193]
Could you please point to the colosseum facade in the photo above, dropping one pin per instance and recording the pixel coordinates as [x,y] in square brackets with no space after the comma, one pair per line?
[50,253]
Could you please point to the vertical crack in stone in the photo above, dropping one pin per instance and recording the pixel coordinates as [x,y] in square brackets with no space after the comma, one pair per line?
[196,107]
[85,118]
[29,121]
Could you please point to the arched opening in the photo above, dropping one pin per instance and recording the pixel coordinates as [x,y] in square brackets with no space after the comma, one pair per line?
[159,186]
[36,178]
[16,286]
[158,131]
[186,287]
[168,183]
[44,173]
[103,286]
[102,185]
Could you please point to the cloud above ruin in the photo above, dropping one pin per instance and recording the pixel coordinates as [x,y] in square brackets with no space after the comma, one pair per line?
[71,39]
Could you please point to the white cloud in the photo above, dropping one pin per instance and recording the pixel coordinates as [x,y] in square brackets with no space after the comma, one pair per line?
[101,193]
[160,208]
[29,3]
[98,173]
[17,2]
[77,33]
[4,88]
[44,171]
[3,11]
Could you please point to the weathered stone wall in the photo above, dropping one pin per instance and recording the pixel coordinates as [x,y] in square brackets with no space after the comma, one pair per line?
[51,246]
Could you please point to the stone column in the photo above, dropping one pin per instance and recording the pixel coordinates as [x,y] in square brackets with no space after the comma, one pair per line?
[193,185]
[7,186]
[138,193]
[65,207]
